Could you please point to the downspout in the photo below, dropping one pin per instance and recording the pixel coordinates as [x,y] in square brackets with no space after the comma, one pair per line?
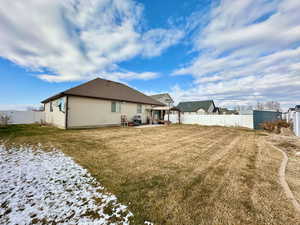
[169,113]
[67,110]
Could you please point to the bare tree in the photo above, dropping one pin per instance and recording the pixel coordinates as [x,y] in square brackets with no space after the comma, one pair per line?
[249,107]
[4,120]
[259,106]
[240,108]
[272,105]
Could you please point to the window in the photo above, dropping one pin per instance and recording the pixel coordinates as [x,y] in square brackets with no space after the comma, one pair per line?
[51,107]
[115,107]
[61,104]
[139,108]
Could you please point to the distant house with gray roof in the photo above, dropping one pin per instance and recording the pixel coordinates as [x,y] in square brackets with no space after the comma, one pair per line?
[198,107]
[225,111]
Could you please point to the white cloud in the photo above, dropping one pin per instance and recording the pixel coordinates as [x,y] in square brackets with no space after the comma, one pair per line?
[127,75]
[78,39]
[157,40]
[247,47]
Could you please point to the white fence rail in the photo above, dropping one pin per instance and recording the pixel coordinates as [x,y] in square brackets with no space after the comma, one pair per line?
[23,117]
[215,120]
[296,125]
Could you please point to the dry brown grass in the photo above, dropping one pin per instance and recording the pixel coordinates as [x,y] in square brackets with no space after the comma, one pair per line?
[275,126]
[182,174]
[291,145]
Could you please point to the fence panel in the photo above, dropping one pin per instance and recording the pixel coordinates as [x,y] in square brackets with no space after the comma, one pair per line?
[23,117]
[215,120]
[296,125]
[265,116]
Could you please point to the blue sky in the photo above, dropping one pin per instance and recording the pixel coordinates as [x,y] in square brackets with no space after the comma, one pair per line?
[235,52]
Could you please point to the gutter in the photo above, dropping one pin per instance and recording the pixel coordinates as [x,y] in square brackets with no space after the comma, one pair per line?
[109,99]
[113,99]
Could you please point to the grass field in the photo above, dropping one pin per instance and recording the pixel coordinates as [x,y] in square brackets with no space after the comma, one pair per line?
[180,174]
[291,146]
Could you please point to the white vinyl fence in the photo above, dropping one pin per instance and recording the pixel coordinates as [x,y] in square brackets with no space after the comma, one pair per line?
[296,125]
[23,117]
[215,120]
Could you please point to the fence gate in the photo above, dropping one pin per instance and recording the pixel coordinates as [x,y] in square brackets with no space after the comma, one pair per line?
[260,117]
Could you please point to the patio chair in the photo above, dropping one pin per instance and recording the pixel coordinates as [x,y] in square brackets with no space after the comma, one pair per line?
[124,121]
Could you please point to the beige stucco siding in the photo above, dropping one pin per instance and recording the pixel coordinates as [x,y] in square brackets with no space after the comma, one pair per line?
[57,117]
[89,112]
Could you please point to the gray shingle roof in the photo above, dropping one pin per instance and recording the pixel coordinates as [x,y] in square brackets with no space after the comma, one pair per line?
[195,106]
[109,90]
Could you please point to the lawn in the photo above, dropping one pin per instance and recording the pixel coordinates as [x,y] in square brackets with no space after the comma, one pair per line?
[291,146]
[179,174]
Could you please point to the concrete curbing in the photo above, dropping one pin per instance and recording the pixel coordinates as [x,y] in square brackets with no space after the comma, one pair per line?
[284,184]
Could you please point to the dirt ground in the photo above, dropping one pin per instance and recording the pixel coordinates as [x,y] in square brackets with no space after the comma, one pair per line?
[183,174]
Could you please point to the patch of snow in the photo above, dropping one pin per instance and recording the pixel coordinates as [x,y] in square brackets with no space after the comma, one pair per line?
[297,154]
[48,187]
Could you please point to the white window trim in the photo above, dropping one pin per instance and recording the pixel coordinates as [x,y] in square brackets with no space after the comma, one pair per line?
[139,110]
[118,107]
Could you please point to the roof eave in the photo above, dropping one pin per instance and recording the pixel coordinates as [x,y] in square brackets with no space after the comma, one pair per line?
[111,99]
[59,95]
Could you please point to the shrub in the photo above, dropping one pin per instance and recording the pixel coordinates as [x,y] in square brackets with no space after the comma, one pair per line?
[268,126]
[282,123]
[275,126]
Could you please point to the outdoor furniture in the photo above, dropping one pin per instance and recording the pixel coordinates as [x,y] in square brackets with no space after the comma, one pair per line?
[124,121]
[137,120]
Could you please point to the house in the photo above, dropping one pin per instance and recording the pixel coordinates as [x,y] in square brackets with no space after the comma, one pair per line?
[98,102]
[198,107]
[289,115]
[225,111]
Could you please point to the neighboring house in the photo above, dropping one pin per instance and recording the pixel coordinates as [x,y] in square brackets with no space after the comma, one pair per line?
[289,115]
[198,107]
[290,110]
[96,103]
[225,111]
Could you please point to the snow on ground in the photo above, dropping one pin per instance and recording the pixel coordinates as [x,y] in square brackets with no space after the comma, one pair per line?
[48,187]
